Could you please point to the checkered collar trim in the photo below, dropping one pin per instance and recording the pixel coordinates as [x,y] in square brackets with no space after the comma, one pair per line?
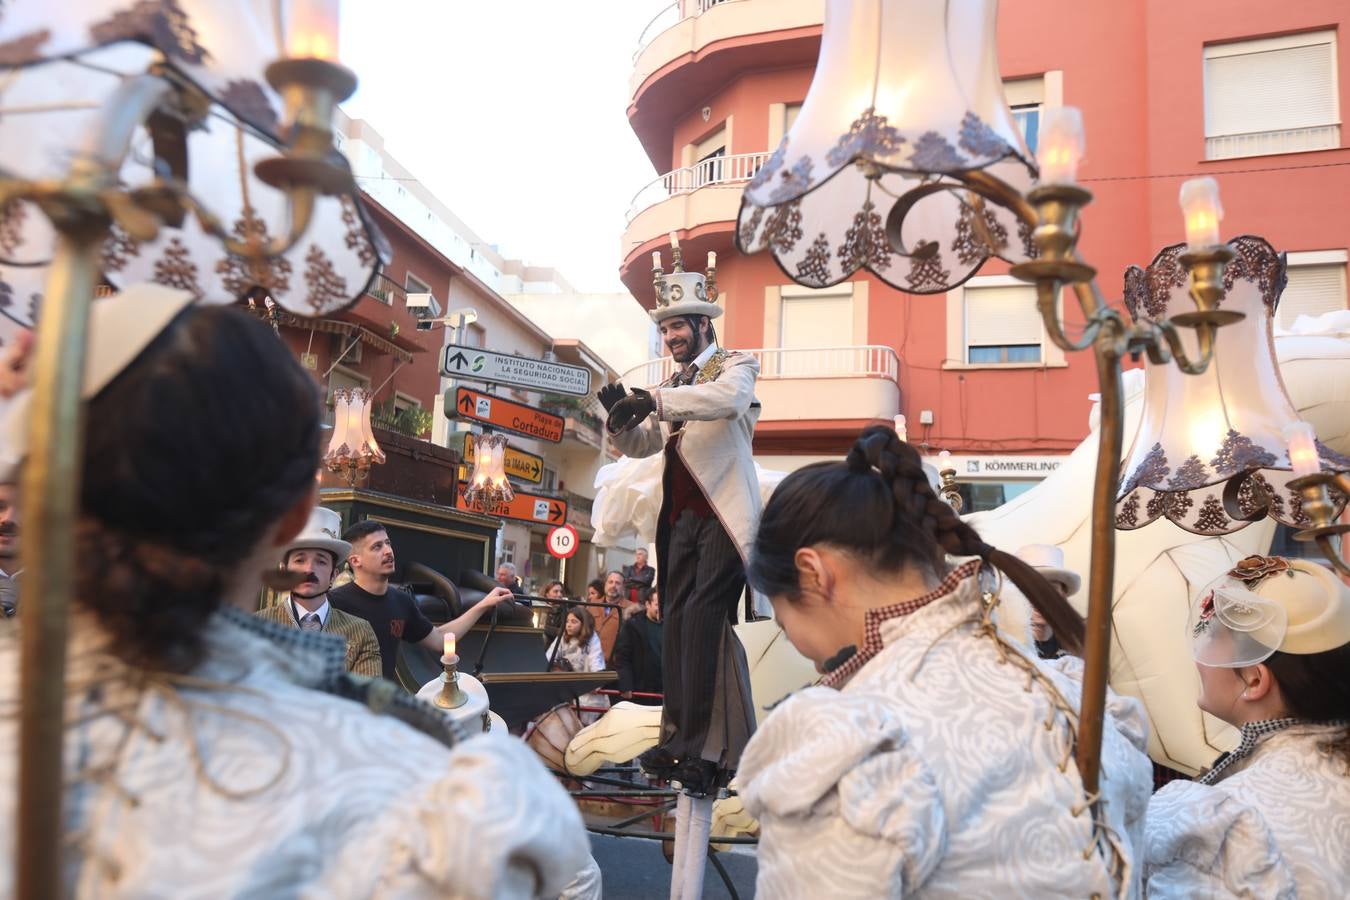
[872,644]
[1252,734]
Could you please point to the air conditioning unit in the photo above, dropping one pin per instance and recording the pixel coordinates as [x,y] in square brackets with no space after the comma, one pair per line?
[423,306]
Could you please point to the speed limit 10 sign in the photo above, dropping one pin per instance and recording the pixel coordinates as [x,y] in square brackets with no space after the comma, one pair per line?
[562,541]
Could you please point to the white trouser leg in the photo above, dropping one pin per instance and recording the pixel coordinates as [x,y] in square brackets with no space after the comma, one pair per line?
[681,845]
[696,855]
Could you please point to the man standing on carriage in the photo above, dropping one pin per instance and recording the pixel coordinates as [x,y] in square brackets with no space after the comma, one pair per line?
[702,418]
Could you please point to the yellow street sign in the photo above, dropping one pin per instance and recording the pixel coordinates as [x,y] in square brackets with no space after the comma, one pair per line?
[518,463]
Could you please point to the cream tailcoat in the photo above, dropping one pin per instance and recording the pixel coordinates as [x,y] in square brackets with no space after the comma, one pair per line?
[715,444]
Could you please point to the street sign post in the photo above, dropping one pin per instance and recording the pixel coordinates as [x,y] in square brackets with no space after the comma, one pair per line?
[518,463]
[506,415]
[475,364]
[563,541]
[524,507]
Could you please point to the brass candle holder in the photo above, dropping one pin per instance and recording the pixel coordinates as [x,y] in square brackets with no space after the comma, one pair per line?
[951,492]
[451,695]
[1313,491]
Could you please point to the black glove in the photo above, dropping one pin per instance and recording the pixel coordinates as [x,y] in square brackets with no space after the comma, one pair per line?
[610,394]
[630,411]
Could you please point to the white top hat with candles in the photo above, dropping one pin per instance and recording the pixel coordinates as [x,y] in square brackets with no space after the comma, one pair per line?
[682,293]
[323,531]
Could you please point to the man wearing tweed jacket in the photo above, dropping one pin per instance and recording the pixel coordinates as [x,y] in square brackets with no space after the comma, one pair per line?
[315,553]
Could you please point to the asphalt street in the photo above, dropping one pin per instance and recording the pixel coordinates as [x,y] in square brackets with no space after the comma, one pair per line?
[635,869]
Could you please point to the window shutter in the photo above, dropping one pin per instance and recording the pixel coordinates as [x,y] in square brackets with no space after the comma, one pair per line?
[817,321]
[1270,90]
[1002,316]
[1312,290]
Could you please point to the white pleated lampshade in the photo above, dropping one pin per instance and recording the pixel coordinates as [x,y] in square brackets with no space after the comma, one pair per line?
[906,92]
[1210,453]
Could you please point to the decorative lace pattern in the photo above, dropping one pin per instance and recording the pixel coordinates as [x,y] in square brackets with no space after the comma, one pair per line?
[925,270]
[160,23]
[865,244]
[814,269]
[1191,475]
[970,244]
[784,228]
[176,269]
[1239,453]
[1255,260]
[868,137]
[1212,518]
[1151,472]
[980,141]
[933,153]
[794,182]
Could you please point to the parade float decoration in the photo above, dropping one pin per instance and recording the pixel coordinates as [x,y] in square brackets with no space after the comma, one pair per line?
[181,142]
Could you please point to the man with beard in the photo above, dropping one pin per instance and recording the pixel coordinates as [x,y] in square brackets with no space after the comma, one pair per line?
[702,419]
[9,546]
[315,553]
[392,612]
[608,618]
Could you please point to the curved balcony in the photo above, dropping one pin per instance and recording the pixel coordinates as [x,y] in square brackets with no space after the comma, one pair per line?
[812,384]
[692,48]
[719,171]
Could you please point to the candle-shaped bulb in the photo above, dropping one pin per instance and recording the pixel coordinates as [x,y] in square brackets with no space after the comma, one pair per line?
[944,460]
[900,428]
[313,30]
[449,643]
[1061,144]
[712,260]
[674,241]
[1200,205]
[656,259]
[1303,455]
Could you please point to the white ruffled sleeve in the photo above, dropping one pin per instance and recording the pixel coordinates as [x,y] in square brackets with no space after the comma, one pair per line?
[1126,713]
[846,806]
[1200,842]
[497,825]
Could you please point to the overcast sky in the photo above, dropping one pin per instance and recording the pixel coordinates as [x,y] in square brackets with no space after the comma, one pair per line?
[513,113]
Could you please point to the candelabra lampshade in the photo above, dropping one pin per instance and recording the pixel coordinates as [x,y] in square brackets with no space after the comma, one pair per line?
[352,448]
[906,93]
[488,483]
[1211,453]
[194,170]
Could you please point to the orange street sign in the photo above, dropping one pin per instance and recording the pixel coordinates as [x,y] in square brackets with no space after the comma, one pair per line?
[518,463]
[524,507]
[476,406]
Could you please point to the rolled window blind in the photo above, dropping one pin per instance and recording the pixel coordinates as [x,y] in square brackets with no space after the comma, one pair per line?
[1312,290]
[1002,316]
[1270,90]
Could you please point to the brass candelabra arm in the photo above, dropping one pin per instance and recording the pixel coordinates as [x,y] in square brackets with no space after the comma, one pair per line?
[1317,505]
[951,492]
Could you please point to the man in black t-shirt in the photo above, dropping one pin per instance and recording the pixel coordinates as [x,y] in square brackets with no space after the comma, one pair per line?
[392,612]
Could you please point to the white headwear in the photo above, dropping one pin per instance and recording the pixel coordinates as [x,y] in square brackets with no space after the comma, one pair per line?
[1049,561]
[323,531]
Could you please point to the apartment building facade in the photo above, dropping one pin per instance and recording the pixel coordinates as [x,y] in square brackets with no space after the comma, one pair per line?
[1247,91]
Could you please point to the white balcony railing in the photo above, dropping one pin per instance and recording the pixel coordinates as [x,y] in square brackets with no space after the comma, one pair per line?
[1266,143]
[670,15]
[867,361]
[715,171]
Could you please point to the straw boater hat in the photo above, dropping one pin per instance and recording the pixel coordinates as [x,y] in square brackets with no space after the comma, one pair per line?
[322,532]
[682,293]
[1049,561]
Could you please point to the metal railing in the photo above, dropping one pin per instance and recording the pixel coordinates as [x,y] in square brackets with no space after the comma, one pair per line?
[717,170]
[668,16]
[386,290]
[864,361]
[1266,143]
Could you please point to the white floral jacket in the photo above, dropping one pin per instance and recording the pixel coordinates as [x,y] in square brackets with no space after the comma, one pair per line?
[1277,825]
[933,772]
[243,781]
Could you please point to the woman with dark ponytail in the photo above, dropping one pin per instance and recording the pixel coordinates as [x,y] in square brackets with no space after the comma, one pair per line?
[210,752]
[934,756]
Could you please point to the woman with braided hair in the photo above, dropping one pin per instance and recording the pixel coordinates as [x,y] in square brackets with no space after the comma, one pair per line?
[934,757]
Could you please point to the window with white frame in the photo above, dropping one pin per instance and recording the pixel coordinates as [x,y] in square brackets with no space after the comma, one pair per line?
[1317,285]
[414,285]
[790,113]
[1272,95]
[403,403]
[708,156]
[1026,97]
[1002,325]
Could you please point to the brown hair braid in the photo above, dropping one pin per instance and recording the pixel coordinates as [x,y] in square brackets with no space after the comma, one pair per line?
[879,506]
